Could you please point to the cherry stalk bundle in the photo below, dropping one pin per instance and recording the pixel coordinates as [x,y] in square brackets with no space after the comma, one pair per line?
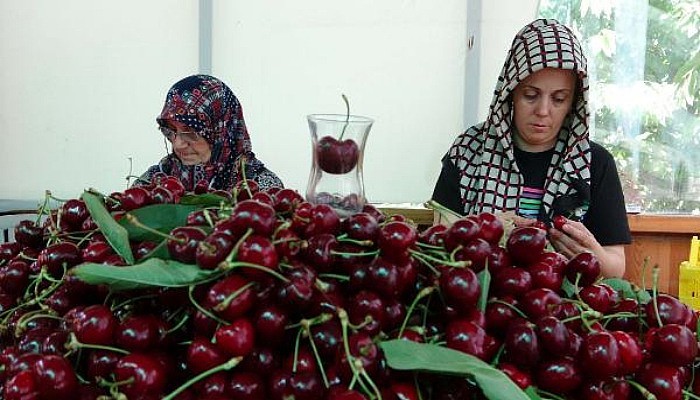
[155,293]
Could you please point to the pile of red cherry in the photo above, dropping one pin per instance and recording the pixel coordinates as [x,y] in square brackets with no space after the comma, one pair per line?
[295,303]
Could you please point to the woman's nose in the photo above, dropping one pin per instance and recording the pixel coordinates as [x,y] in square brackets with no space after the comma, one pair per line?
[542,107]
[177,142]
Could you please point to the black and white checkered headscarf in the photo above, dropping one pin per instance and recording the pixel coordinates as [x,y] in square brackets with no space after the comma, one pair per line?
[490,179]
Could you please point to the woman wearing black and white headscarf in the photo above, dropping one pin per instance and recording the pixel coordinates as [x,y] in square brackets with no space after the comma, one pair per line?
[533,156]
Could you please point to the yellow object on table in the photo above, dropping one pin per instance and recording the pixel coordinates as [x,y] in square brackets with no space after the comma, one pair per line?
[689,277]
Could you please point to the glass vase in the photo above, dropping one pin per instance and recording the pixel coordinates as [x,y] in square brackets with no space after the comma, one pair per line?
[338,146]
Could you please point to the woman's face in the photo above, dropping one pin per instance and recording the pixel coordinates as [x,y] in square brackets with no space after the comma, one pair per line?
[189,147]
[540,105]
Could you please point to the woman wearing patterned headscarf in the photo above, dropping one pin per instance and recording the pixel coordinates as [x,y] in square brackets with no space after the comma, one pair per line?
[533,156]
[203,121]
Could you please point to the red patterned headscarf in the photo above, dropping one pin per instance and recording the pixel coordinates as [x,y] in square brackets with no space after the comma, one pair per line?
[490,178]
[209,107]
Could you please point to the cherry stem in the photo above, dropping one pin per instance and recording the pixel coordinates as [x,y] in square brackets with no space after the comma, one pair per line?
[654,286]
[135,221]
[423,293]
[359,254]
[357,368]
[190,294]
[306,325]
[74,344]
[440,209]
[550,395]
[512,307]
[339,277]
[227,301]
[690,395]
[344,238]
[225,266]
[644,391]
[457,264]
[296,351]
[347,116]
[30,316]
[244,179]
[234,251]
[221,367]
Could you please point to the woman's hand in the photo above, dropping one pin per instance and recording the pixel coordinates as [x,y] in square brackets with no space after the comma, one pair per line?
[575,238]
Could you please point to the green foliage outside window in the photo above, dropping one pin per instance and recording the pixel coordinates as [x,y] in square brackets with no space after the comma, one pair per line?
[644,64]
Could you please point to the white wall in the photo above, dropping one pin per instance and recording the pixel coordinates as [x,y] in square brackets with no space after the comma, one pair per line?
[82,81]
[80,85]
[400,62]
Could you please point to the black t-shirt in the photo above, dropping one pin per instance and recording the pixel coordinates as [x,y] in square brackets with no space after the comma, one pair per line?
[606,217]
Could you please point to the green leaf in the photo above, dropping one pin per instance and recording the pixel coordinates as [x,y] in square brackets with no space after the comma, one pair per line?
[161,217]
[628,290]
[204,199]
[115,234]
[484,283]
[160,251]
[531,391]
[153,272]
[408,355]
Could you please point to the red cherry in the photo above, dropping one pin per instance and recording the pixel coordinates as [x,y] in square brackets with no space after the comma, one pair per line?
[95,325]
[237,338]
[600,355]
[322,218]
[221,299]
[54,377]
[74,212]
[662,380]
[336,156]
[670,311]
[135,197]
[460,288]
[554,336]
[184,243]
[608,389]
[28,234]
[630,352]
[490,227]
[286,201]
[246,386]
[586,266]
[538,303]
[559,221]
[161,195]
[470,338]
[21,386]
[249,214]
[674,344]
[460,232]
[395,239]
[144,374]
[360,226]
[518,376]
[257,250]
[270,323]
[526,244]
[174,186]
[213,250]
[97,252]
[58,257]
[559,376]
[521,344]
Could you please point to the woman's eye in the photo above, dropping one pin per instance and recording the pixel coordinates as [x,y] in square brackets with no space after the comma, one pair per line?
[530,96]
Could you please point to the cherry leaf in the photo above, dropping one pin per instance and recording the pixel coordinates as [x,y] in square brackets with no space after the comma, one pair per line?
[160,217]
[153,272]
[408,355]
[116,235]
